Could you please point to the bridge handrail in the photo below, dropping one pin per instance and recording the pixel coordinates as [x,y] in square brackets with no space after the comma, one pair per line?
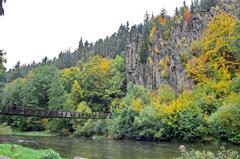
[41,112]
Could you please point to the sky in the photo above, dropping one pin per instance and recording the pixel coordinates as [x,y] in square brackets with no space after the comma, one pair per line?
[34,29]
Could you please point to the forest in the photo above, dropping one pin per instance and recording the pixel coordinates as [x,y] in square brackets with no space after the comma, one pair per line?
[93,78]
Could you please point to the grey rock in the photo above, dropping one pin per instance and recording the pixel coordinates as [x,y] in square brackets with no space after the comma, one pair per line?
[181,36]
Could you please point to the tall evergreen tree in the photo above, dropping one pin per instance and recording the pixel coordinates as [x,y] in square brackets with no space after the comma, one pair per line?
[2,59]
[143,52]
[1,7]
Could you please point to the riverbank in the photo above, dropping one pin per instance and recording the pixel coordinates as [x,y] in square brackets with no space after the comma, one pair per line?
[69,147]
[27,153]
[6,130]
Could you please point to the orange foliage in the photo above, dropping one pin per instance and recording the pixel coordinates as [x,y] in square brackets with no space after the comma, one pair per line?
[197,68]
[187,15]
[162,20]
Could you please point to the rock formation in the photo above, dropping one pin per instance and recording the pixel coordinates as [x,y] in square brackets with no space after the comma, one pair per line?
[165,63]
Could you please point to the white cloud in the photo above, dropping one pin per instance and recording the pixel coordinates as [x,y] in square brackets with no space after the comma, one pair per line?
[33,29]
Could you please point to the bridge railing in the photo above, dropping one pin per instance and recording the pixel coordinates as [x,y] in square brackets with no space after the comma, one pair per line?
[48,113]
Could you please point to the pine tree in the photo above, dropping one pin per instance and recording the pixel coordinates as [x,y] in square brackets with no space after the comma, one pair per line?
[17,69]
[176,11]
[2,59]
[163,12]
[80,44]
[143,52]
[1,7]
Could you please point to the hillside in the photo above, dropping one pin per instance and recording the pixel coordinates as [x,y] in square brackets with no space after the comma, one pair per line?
[168,78]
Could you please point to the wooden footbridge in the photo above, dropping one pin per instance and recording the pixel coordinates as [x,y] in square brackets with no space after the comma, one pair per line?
[48,113]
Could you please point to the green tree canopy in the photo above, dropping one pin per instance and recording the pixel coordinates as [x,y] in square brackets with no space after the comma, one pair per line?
[38,83]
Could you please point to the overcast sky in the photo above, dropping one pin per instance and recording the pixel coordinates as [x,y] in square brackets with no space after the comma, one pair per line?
[33,29]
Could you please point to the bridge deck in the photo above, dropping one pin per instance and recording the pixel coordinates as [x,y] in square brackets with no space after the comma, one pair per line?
[48,113]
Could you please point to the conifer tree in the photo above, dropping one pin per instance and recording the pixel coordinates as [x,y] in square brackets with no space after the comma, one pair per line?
[1,7]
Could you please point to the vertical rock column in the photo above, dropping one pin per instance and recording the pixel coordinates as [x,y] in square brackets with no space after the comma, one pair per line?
[131,56]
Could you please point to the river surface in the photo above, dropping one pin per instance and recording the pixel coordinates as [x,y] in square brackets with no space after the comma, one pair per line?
[107,149]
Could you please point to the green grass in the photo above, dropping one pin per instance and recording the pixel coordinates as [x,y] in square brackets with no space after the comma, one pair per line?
[27,153]
[32,133]
[6,130]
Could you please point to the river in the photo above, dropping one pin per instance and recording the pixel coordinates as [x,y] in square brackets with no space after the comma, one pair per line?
[69,147]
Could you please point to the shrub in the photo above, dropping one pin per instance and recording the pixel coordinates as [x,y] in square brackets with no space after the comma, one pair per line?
[87,129]
[165,93]
[189,125]
[136,98]
[235,85]
[60,126]
[225,121]
[146,125]
[50,154]
[100,127]
[27,124]
[123,124]
[221,154]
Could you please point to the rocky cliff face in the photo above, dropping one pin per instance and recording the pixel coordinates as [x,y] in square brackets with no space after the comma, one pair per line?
[165,63]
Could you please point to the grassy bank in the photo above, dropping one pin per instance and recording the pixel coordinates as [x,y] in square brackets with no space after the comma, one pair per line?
[27,153]
[6,130]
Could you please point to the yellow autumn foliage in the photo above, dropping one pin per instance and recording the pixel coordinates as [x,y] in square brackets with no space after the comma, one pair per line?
[137,105]
[215,60]
[233,98]
[152,32]
[150,60]
[221,87]
[104,64]
[165,64]
[68,71]
[217,38]
[183,101]
[196,69]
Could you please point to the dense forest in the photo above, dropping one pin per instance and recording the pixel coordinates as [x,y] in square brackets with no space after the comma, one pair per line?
[168,78]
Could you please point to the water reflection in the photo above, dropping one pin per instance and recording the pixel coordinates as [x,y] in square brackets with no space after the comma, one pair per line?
[106,149]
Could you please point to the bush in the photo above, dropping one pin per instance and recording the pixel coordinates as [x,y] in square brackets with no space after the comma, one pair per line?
[100,127]
[27,124]
[146,125]
[235,85]
[221,154]
[165,93]
[91,127]
[123,124]
[189,125]
[50,154]
[60,127]
[225,122]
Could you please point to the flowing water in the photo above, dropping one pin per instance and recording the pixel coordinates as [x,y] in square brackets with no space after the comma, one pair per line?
[107,149]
